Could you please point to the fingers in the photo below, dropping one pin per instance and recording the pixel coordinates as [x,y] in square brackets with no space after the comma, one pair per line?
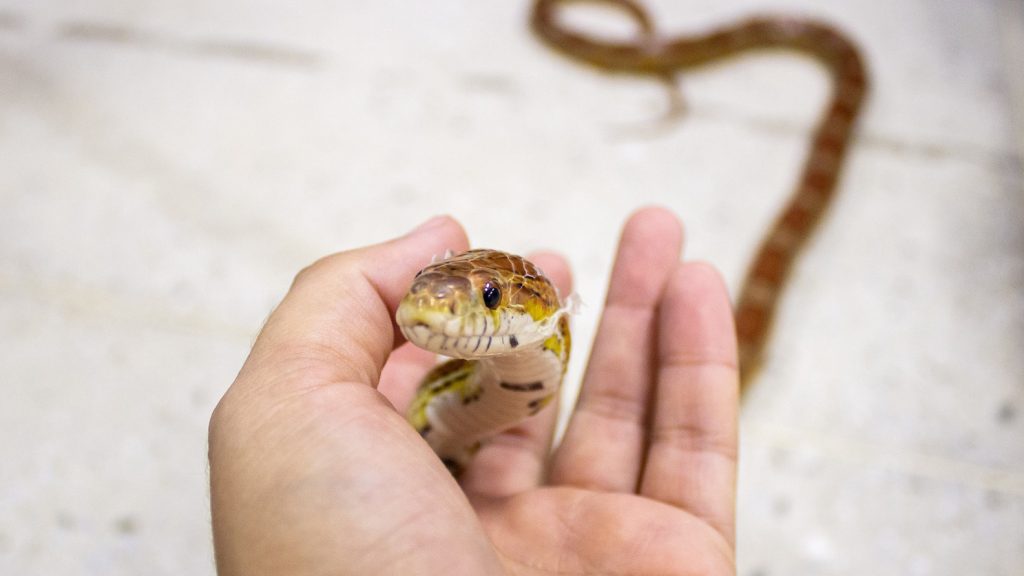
[691,461]
[604,443]
[516,460]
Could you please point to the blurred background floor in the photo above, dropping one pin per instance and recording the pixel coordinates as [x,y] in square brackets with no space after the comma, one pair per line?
[165,169]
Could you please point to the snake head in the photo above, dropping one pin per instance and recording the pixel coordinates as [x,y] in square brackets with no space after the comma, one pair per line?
[477,304]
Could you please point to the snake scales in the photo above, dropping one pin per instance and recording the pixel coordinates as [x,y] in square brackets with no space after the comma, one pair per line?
[503,322]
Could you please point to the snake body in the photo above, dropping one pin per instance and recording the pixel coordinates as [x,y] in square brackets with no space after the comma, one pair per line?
[652,54]
[502,322]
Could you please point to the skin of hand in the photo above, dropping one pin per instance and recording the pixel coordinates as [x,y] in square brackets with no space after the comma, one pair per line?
[314,469]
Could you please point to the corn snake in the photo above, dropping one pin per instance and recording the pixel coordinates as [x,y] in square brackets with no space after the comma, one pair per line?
[507,330]
[462,402]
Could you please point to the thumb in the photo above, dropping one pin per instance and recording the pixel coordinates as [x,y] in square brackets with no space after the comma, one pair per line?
[338,316]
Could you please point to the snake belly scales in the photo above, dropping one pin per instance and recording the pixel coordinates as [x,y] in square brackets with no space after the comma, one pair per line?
[503,322]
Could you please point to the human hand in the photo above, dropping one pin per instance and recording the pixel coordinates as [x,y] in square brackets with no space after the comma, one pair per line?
[314,471]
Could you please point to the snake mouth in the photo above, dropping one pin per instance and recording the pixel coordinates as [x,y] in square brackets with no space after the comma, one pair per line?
[468,337]
[467,346]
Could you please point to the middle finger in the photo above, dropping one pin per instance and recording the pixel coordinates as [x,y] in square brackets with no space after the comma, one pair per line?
[604,442]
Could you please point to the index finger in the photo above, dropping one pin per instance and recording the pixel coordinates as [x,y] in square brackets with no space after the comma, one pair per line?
[603,445]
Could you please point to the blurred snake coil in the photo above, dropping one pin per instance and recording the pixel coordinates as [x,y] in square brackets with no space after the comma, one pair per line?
[503,322]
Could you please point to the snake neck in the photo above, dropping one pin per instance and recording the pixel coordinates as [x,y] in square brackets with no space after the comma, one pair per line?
[464,402]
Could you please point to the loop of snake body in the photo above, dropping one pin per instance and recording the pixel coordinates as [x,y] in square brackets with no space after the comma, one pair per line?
[663,57]
[503,322]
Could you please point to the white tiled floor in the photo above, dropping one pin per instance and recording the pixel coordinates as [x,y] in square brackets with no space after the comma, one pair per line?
[165,168]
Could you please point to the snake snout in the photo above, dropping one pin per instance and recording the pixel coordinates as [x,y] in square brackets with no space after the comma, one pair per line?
[438,293]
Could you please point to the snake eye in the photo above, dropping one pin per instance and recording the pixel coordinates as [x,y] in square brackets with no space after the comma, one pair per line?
[492,295]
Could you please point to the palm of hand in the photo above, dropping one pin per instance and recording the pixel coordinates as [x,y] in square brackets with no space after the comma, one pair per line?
[575,531]
[313,469]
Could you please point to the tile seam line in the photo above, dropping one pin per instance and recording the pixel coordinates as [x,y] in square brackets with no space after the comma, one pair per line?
[869,139]
[905,461]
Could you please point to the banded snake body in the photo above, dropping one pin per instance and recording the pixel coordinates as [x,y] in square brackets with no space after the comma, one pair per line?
[503,322]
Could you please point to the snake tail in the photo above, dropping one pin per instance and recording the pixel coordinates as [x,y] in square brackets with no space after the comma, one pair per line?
[659,56]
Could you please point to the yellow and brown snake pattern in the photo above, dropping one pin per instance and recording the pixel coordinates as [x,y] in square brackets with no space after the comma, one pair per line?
[503,322]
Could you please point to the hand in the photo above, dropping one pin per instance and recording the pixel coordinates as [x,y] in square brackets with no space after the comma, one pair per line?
[313,470]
